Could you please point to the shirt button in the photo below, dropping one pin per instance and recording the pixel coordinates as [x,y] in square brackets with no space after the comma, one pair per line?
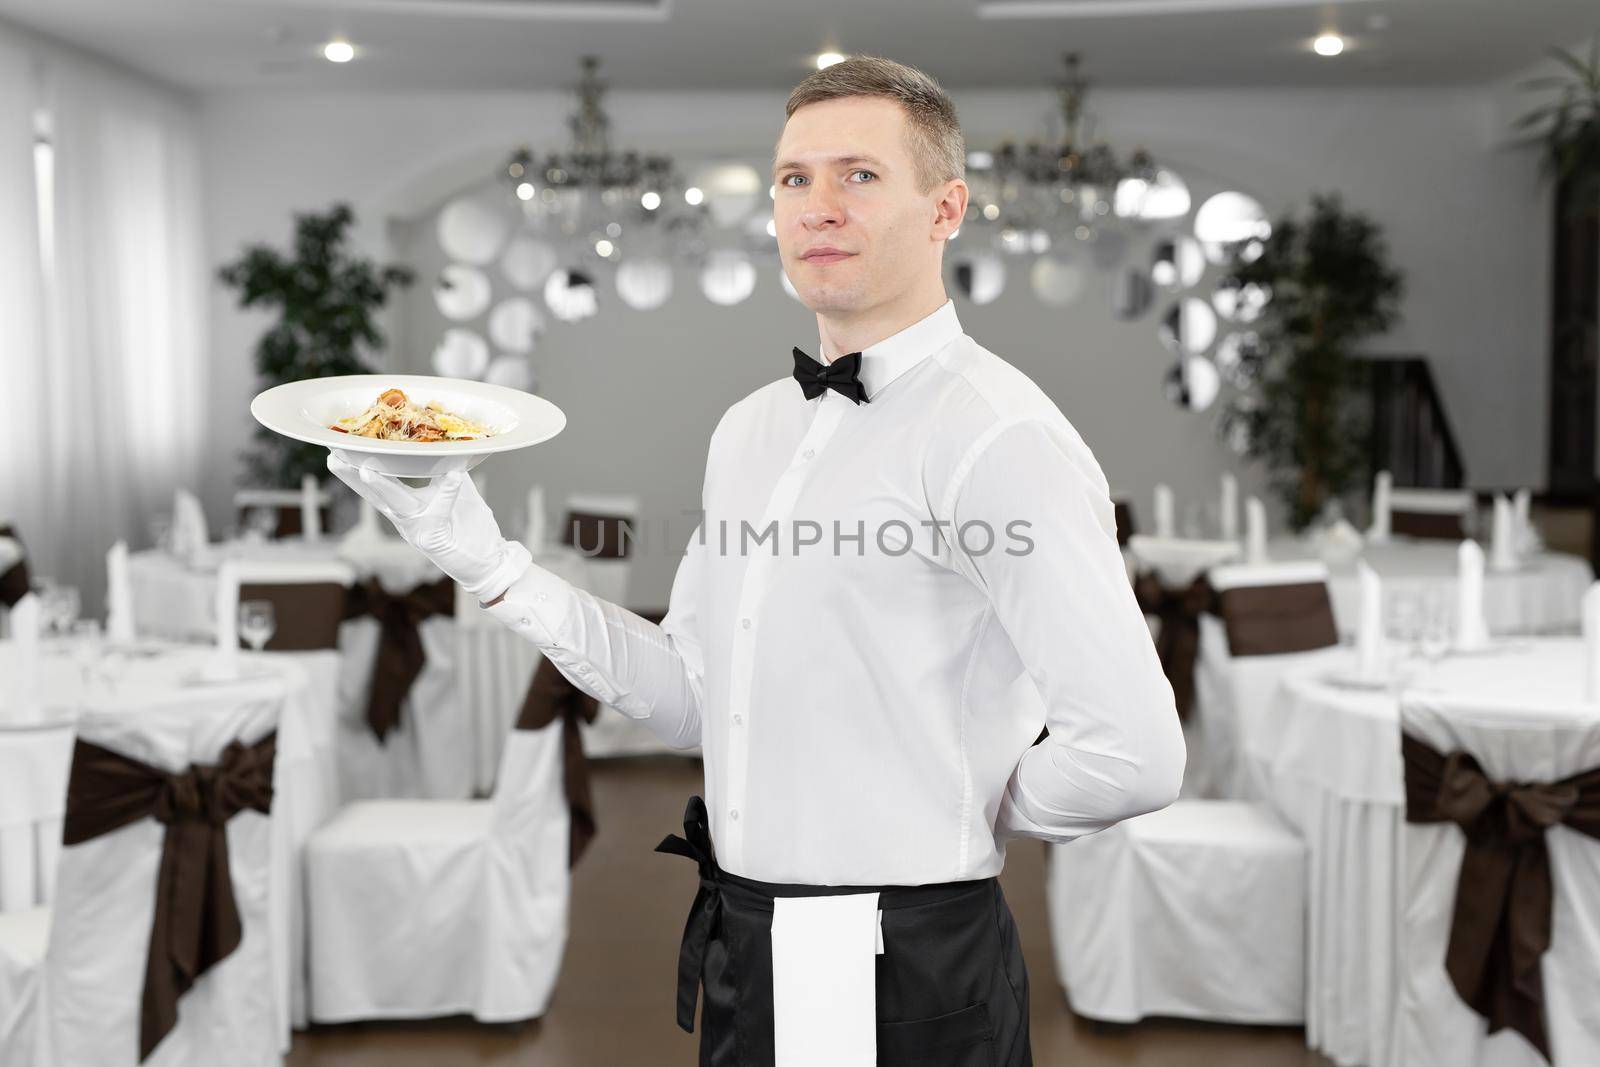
[541,596]
[738,720]
[524,621]
[734,814]
[745,623]
[808,453]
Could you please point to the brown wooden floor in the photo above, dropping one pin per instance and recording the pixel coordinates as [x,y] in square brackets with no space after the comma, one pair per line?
[613,1005]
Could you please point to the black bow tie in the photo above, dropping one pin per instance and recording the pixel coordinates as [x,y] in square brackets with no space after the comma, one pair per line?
[843,375]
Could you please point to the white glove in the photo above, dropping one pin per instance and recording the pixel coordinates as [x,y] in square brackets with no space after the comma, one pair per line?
[447,521]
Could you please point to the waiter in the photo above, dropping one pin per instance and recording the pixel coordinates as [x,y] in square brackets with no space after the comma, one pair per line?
[907,564]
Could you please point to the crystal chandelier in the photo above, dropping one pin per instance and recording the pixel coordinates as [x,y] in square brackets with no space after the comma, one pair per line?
[1038,192]
[594,194]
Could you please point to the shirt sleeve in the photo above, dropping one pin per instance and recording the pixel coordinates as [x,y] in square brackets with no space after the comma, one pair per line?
[647,672]
[1057,583]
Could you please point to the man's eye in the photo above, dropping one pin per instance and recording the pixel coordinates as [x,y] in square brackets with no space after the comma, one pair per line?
[786,178]
[865,172]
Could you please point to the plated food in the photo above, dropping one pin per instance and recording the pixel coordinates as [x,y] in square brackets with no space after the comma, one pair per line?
[395,417]
[408,425]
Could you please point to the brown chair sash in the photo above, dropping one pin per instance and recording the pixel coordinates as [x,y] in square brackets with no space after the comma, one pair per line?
[1501,925]
[552,696]
[598,536]
[1263,620]
[1125,526]
[197,922]
[307,614]
[1440,525]
[289,518]
[14,579]
[1178,644]
[400,656]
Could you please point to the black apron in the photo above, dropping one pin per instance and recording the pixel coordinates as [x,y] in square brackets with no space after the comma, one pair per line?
[952,989]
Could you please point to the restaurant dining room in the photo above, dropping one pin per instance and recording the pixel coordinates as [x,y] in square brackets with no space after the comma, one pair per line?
[1148,617]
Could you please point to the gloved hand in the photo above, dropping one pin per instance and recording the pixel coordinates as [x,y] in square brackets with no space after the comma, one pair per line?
[447,521]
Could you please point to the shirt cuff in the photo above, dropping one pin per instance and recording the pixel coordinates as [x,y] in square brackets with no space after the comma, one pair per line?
[538,606]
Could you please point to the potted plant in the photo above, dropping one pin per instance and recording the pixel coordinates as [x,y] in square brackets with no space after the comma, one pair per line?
[1305,415]
[326,301]
[1569,127]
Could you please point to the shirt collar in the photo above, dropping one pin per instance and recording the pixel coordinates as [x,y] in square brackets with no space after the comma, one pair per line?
[891,357]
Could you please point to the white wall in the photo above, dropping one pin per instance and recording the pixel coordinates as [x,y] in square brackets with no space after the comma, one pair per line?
[1466,219]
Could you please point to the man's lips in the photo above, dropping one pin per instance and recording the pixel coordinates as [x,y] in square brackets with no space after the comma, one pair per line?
[827,257]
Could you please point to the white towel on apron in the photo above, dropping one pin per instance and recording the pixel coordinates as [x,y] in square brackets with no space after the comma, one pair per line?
[824,980]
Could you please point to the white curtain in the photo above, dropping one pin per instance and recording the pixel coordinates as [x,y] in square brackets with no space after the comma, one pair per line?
[22,354]
[116,399]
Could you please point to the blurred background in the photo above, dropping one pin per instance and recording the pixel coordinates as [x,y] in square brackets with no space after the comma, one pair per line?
[1296,271]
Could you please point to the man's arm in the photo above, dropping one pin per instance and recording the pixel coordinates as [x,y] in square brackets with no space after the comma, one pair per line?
[1116,747]
[647,672]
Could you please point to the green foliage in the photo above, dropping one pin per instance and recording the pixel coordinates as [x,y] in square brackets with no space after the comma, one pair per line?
[1569,125]
[326,302]
[1331,287]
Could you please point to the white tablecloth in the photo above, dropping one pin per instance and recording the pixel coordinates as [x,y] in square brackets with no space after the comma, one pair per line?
[36,738]
[1328,758]
[1542,596]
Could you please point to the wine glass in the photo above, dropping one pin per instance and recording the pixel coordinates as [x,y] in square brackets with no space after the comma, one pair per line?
[261,522]
[86,647]
[61,605]
[1434,636]
[257,622]
[161,532]
[1405,618]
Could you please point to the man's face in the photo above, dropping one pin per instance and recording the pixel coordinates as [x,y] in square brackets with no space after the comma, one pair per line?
[845,179]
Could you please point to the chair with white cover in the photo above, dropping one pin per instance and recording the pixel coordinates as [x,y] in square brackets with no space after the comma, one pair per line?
[602,528]
[1196,911]
[162,799]
[1266,619]
[1444,514]
[287,507]
[308,602]
[1499,854]
[423,908]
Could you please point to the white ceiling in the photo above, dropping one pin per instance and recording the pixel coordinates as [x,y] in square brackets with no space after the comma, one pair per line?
[766,44]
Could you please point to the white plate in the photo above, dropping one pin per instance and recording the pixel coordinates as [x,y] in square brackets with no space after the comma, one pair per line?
[304,410]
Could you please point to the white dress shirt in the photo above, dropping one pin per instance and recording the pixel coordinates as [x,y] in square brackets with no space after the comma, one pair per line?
[866,703]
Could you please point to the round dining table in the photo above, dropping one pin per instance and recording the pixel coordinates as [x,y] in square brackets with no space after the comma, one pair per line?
[1325,754]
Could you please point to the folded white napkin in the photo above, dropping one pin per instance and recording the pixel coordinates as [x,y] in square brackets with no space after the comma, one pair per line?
[824,980]
[1230,507]
[535,533]
[189,534]
[310,508]
[27,616]
[1503,536]
[1382,488]
[1369,624]
[224,662]
[10,553]
[1591,642]
[1471,633]
[119,595]
[1255,530]
[1166,518]
[1528,539]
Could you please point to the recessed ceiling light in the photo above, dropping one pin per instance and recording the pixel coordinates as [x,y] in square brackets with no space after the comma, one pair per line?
[1328,44]
[337,51]
[828,59]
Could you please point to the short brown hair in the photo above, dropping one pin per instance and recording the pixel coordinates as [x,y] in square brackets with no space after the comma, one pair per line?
[934,133]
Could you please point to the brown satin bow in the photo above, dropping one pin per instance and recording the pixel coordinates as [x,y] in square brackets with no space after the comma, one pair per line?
[400,656]
[1178,644]
[196,921]
[1501,925]
[14,579]
[552,696]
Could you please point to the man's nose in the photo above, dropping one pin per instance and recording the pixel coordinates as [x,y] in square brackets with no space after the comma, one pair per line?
[822,208]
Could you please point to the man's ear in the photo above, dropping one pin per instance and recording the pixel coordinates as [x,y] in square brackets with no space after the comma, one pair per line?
[949,209]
